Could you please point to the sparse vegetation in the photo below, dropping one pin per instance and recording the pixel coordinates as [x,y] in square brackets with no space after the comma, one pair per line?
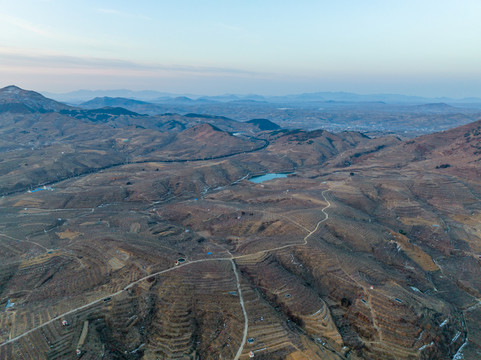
[157,241]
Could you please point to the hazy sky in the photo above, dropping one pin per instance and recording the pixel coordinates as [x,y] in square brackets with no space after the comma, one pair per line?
[414,47]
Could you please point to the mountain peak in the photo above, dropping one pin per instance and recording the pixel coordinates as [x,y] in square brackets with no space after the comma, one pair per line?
[13,98]
[11,89]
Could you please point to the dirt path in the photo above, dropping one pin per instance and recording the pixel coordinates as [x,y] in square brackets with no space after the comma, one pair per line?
[21,240]
[246,320]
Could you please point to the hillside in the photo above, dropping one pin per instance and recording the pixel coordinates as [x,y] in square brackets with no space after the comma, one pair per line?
[144,242]
[456,151]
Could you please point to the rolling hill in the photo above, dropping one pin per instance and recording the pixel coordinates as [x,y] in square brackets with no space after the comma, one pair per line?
[127,236]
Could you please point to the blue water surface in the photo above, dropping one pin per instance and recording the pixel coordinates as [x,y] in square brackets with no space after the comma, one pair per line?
[266,177]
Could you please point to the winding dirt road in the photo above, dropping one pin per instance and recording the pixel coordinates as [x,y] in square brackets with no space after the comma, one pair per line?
[246,320]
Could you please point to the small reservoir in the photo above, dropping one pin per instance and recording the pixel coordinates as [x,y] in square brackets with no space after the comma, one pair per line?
[42,188]
[266,177]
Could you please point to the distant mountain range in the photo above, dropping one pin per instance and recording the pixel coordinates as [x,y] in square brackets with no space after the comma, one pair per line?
[232,112]
[79,96]
[123,112]
[385,98]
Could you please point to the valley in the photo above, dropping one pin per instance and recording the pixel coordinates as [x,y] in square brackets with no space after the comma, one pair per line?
[147,237]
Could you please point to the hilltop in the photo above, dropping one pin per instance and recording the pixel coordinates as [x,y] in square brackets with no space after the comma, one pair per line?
[264,124]
[14,99]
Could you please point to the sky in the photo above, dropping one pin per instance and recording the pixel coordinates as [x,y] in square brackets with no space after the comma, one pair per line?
[268,47]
